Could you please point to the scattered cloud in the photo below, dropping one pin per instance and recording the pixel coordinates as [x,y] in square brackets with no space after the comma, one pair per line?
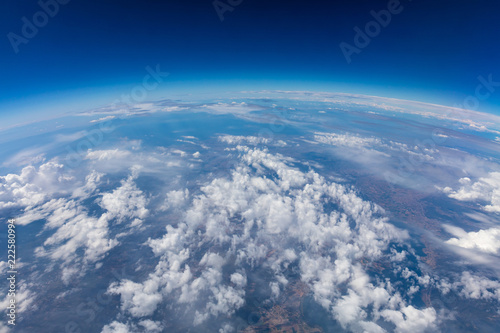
[412,320]
[274,213]
[127,202]
[34,186]
[373,145]
[485,189]
[75,229]
[102,155]
[117,327]
[487,240]
[103,119]
[471,286]
[250,140]
[55,195]
[231,108]
[346,140]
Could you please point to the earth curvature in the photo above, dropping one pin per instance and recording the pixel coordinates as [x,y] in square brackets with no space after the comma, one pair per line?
[263,211]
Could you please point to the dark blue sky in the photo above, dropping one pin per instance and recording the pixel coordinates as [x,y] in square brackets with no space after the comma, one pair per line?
[90,50]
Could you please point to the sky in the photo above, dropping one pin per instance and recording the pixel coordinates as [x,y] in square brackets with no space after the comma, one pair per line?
[87,53]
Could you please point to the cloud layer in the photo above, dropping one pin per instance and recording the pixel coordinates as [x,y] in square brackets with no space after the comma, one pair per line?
[269,215]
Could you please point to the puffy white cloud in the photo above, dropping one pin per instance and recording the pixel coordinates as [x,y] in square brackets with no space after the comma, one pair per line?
[478,287]
[34,186]
[103,155]
[226,328]
[238,279]
[250,140]
[74,230]
[92,182]
[25,298]
[125,202]
[117,327]
[275,289]
[485,189]
[225,300]
[141,299]
[175,199]
[412,320]
[487,240]
[238,139]
[471,286]
[346,140]
[151,326]
[39,192]
[138,299]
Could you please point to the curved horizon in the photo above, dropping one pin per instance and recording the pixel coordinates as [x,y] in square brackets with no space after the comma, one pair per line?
[104,101]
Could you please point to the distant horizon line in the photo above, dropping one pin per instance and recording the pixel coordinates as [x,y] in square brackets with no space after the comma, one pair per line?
[338,93]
